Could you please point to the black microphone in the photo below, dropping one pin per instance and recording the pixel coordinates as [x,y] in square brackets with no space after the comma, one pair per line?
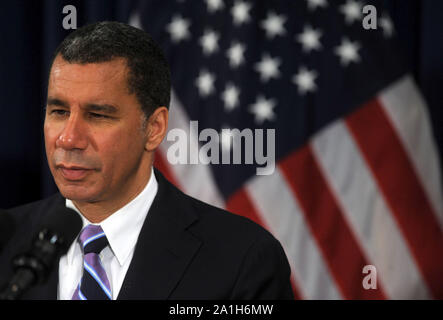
[7,228]
[33,267]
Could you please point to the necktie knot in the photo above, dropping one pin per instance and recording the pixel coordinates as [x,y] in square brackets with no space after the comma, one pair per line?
[93,239]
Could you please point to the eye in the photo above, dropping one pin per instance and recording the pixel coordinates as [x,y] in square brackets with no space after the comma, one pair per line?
[97,115]
[59,112]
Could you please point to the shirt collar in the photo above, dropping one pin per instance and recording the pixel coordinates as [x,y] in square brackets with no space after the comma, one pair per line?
[123,227]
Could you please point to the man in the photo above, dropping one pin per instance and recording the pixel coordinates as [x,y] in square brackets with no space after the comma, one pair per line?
[106,113]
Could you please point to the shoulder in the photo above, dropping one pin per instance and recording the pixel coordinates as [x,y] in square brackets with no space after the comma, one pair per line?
[225,232]
[210,222]
[28,218]
[222,222]
[32,213]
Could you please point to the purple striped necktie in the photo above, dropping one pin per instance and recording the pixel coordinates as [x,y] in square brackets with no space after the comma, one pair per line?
[94,284]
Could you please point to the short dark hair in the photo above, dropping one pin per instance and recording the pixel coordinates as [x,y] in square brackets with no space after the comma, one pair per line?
[149,74]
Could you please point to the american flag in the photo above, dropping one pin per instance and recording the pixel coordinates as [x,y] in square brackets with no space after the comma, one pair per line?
[357,179]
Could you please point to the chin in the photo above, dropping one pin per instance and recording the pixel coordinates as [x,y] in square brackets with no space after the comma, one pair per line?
[76,193]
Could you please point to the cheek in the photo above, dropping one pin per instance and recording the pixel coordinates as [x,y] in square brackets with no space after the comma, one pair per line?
[120,149]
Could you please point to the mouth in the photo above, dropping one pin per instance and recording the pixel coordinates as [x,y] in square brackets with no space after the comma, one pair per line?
[73,173]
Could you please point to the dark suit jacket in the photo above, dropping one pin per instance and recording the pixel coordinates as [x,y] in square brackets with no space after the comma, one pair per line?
[187,249]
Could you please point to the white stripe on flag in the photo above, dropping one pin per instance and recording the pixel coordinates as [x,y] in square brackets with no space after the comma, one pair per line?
[195,180]
[408,113]
[282,215]
[367,213]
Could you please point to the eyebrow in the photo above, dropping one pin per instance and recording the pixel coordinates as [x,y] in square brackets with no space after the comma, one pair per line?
[96,107]
[56,102]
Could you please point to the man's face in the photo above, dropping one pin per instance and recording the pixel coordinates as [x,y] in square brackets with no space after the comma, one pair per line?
[95,143]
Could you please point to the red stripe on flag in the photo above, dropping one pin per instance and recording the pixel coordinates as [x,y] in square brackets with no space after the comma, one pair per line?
[161,164]
[240,203]
[336,241]
[396,178]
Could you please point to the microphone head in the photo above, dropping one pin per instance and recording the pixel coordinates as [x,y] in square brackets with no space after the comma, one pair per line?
[7,227]
[63,225]
[57,231]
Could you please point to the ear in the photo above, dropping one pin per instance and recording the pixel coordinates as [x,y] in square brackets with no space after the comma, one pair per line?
[156,127]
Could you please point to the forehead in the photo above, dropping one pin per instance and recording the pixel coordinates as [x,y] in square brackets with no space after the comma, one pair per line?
[110,76]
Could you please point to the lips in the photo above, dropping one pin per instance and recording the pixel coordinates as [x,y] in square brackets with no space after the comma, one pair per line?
[73,173]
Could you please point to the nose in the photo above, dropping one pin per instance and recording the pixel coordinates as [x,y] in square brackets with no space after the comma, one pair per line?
[73,135]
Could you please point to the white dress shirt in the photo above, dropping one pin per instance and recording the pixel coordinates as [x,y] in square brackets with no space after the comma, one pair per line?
[122,229]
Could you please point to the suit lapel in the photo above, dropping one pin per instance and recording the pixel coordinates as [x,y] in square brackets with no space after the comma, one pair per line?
[164,247]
